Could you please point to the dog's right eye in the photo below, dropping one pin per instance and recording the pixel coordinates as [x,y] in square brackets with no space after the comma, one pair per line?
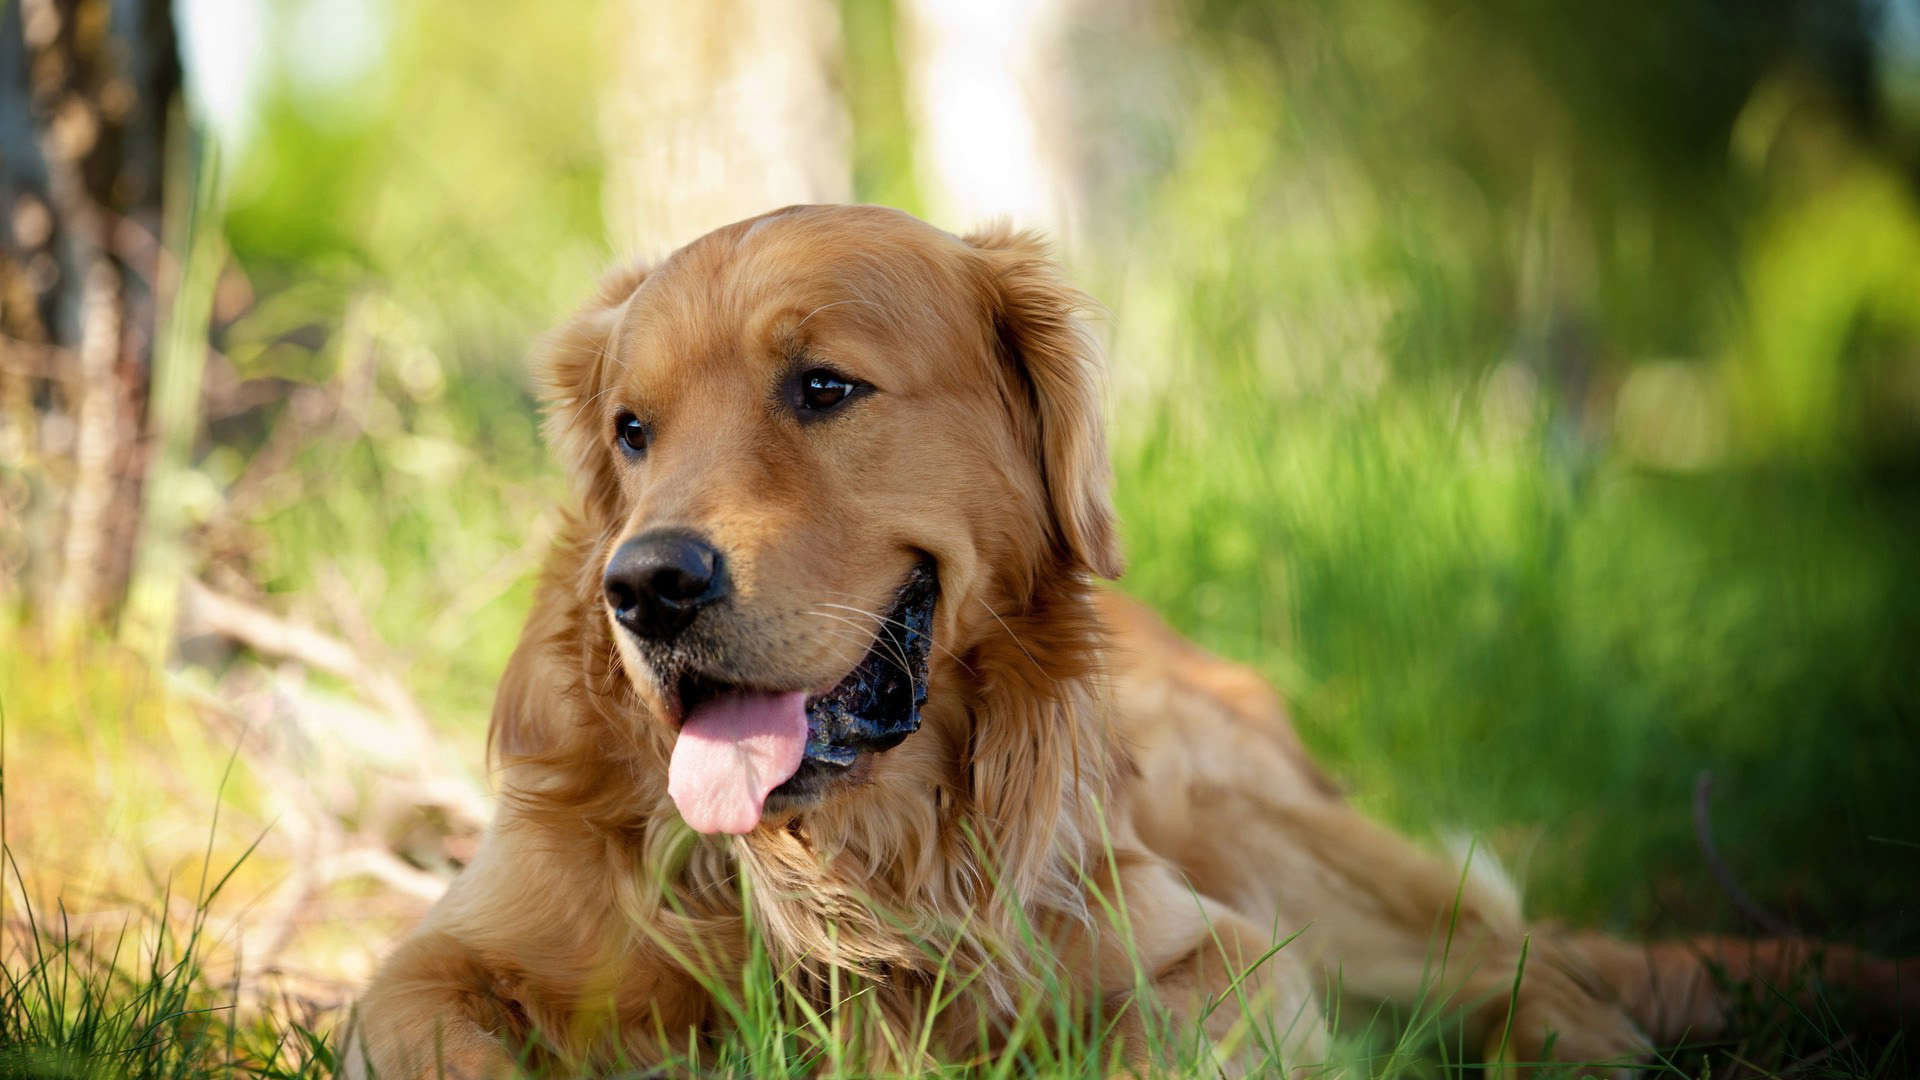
[819,392]
[631,433]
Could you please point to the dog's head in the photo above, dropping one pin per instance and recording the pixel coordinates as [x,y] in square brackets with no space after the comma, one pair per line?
[816,447]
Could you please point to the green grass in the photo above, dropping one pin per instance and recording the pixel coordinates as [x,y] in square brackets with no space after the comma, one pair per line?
[138,1005]
[144,1000]
[1517,644]
[135,1000]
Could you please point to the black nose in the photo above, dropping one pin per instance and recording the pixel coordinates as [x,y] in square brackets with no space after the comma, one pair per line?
[658,581]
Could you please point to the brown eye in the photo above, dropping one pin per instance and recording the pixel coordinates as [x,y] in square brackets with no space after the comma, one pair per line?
[821,391]
[631,433]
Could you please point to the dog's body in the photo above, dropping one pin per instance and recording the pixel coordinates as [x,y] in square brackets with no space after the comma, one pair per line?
[791,437]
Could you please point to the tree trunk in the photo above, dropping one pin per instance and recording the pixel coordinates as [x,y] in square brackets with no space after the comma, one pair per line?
[720,110]
[86,88]
[989,90]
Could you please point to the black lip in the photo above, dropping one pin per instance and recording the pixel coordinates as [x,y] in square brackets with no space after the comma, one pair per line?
[878,704]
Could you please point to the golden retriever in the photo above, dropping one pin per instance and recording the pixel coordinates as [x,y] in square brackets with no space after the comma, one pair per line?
[820,668]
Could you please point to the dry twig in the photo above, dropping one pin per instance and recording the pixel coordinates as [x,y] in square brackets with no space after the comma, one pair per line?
[393,741]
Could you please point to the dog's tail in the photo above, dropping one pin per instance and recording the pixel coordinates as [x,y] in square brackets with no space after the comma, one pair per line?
[1685,991]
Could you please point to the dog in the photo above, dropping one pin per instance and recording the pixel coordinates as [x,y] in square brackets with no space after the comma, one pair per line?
[820,688]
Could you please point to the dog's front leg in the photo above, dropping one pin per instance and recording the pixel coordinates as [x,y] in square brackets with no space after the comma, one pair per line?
[429,1014]
[524,955]
[1210,972]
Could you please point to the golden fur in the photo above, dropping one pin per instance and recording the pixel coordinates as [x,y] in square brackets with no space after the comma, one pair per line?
[1075,754]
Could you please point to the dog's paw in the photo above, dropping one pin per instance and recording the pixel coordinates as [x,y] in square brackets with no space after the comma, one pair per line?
[1545,1039]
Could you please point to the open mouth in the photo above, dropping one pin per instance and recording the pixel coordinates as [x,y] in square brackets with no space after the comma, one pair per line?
[736,742]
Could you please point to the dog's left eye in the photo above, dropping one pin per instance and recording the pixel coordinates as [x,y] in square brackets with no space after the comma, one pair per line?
[632,434]
[821,391]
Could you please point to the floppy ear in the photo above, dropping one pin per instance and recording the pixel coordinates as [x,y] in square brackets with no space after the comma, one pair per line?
[570,372]
[520,702]
[1037,317]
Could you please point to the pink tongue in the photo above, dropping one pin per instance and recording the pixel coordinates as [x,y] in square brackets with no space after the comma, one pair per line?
[732,751]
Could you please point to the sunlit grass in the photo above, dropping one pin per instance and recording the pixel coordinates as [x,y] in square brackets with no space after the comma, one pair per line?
[110,782]
[99,994]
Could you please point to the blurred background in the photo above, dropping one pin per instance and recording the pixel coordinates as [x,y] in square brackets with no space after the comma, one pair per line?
[1532,391]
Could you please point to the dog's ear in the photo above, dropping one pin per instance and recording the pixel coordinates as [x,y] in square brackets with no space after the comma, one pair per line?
[1037,317]
[571,368]
[521,701]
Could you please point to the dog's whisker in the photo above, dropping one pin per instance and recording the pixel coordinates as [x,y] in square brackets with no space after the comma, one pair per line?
[898,650]
[838,634]
[853,631]
[898,657]
[896,622]
[609,673]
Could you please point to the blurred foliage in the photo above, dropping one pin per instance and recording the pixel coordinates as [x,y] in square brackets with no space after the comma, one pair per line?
[1532,393]
[408,238]
[883,169]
